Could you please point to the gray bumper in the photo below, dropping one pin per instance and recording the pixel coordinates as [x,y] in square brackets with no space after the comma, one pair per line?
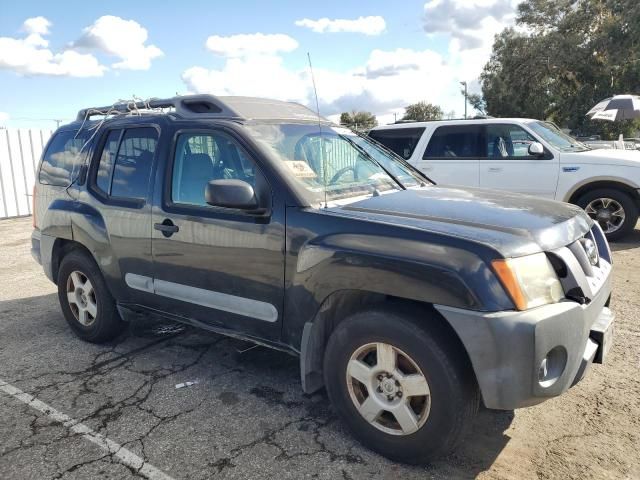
[507,348]
[36,238]
[42,251]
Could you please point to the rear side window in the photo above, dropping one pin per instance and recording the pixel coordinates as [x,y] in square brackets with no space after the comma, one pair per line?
[402,141]
[125,164]
[456,141]
[63,158]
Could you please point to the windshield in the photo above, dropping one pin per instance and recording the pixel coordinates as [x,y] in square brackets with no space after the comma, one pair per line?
[557,138]
[347,164]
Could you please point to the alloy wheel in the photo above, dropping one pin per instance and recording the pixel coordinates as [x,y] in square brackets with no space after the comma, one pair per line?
[82,298]
[388,388]
[609,213]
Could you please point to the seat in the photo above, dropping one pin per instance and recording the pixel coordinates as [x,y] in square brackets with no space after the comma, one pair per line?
[502,148]
[197,170]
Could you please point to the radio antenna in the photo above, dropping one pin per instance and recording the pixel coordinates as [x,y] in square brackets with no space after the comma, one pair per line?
[322,156]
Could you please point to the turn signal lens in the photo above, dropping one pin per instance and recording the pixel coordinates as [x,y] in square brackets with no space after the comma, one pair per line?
[530,281]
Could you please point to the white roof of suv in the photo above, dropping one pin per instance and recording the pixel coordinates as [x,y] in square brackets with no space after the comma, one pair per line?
[438,123]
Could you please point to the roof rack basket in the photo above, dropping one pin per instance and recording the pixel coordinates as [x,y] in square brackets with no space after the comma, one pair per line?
[187,106]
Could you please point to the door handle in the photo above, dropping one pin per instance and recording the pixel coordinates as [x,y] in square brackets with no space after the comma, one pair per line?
[167,227]
[495,169]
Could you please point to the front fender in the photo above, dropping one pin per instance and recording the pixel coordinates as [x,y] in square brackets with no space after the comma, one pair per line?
[405,268]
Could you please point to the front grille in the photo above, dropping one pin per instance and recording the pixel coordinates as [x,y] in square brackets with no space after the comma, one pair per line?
[579,274]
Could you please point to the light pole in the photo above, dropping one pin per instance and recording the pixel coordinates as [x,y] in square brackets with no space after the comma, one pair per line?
[465,98]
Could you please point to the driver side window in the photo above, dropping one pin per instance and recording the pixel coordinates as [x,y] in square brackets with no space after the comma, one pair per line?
[508,141]
[201,157]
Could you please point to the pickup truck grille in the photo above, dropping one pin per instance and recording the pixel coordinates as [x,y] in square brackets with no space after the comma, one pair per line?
[584,265]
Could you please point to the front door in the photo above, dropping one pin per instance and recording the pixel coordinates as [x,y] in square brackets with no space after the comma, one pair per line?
[451,156]
[219,266]
[507,165]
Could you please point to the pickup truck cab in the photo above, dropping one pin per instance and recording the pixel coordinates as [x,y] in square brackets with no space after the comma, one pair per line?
[409,302]
[524,156]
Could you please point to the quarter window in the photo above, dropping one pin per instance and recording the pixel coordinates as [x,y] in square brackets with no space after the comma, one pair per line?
[402,141]
[455,141]
[200,158]
[62,159]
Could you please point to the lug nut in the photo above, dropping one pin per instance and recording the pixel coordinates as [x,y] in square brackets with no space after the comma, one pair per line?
[379,388]
[390,397]
[380,377]
[399,394]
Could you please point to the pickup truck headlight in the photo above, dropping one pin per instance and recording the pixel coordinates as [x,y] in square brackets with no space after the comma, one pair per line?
[530,281]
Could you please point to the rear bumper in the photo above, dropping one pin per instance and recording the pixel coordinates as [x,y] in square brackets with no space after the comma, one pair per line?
[507,349]
[36,238]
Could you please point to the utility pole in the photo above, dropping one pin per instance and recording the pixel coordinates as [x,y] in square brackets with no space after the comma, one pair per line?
[465,98]
[395,117]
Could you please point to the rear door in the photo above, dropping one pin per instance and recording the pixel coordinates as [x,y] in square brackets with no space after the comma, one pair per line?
[120,187]
[507,164]
[452,154]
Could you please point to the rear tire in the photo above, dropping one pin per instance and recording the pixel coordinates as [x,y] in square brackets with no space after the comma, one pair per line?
[605,206]
[86,302]
[419,349]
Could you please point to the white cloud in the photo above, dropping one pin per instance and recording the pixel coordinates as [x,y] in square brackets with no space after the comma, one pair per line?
[124,39]
[372,25]
[39,25]
[243,45]
[471,24]
[4,117]
[387,82]
[31,55]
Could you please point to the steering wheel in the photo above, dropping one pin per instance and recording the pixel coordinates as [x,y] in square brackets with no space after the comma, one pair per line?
[341,172]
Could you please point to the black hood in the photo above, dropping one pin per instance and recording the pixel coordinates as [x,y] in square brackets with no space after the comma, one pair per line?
[511,223]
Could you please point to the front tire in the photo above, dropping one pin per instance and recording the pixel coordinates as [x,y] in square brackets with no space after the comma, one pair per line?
[402,389]
[86,302]
[615,211]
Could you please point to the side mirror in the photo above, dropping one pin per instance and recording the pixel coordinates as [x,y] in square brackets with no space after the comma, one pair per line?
[536,149]
[231,194]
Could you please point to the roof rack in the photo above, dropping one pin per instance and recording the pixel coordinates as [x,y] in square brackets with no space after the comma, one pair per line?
[186,106]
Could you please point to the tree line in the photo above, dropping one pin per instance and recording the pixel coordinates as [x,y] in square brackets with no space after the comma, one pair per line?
[561,58]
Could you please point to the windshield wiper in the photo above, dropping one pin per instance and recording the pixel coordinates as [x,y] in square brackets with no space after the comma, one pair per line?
[399,158]
[363,152]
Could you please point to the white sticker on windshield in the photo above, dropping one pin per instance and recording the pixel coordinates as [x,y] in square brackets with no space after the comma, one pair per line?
[300,169]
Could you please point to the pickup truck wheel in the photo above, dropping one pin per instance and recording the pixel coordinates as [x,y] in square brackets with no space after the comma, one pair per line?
[86,302]
[614,210]
[401,389]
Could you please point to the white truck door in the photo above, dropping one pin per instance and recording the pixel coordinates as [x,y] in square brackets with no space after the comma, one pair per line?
[451,155]
[507,165]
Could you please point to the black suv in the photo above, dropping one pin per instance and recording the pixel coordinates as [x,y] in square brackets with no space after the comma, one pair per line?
[409,302]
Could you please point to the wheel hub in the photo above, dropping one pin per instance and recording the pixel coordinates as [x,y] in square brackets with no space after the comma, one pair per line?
[388,388]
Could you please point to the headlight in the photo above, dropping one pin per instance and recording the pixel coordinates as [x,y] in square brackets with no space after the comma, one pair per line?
[530,281]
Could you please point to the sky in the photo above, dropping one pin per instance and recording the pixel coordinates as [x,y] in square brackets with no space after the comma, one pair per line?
[378,56]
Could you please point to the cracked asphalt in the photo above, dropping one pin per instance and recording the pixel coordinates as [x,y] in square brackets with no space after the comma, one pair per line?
[246,417]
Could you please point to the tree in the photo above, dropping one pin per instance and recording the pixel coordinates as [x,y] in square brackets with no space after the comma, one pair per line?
[422,112]
[358,120]
[563,58]
[477,102]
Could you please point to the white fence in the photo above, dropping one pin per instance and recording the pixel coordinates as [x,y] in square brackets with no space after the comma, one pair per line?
[20,151]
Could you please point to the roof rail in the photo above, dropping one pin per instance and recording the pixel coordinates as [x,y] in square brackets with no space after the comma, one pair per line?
[186,106]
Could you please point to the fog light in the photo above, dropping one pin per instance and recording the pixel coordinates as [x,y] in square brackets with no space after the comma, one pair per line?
[552,366]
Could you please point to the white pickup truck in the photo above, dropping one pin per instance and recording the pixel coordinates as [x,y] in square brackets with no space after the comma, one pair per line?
[525,156]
